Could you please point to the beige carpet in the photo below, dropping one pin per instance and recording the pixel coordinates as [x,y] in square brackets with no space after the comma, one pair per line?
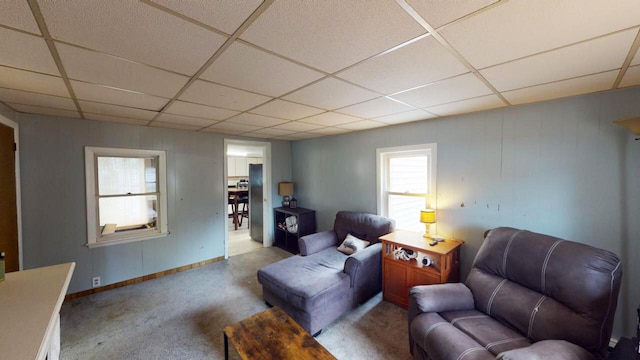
[181,316]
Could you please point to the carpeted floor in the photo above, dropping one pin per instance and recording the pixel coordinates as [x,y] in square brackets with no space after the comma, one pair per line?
[181,316]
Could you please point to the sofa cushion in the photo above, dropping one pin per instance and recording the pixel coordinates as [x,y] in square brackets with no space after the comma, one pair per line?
[368,227]
[307,282]
[352,245]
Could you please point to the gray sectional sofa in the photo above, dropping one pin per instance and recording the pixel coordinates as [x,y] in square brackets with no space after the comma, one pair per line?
[322,283]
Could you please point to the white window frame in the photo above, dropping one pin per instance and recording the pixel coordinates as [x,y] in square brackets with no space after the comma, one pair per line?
[382,166]
[91,176]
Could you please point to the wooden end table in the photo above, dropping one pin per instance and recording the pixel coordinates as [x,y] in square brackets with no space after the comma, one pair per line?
[398,276]
[272,334]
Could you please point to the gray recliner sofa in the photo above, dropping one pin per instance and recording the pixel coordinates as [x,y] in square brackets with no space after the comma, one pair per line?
[527,296]
[321,283]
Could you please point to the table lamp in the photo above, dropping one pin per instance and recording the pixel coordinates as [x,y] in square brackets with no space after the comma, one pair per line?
[285,189]
[428,217]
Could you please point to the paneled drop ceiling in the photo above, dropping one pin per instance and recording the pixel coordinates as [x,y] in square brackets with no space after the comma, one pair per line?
[290,69]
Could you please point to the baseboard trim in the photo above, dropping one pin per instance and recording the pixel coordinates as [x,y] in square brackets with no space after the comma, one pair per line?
[141,279]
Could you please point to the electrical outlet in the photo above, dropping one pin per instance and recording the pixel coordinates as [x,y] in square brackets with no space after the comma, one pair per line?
[95,282]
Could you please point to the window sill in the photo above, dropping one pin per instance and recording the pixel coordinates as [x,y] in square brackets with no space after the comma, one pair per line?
[125,241]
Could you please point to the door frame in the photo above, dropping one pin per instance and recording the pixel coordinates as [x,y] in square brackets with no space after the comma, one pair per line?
[12,124]
[267,213]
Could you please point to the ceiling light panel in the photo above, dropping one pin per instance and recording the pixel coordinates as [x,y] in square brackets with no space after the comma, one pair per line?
[257,120]
[581,85]
[201,111]
[17,14]
[29,81]
[286,110]
[107,70]
[446,91]
[27,98]
[590,57]
[441,12]
[375,108]
[520,28]
[330,93]
[106,94]
[330,35]
[407,116]
[416,64]
[30,109]
[116,119]
[26,52]
[114,110]
[152,36]
[184,120]
[631,77]
[362,125]
[223,15]
[330,119]
[222,96]
[467,106]
[248,68]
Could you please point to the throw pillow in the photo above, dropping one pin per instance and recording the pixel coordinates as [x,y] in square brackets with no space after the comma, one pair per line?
[352,244]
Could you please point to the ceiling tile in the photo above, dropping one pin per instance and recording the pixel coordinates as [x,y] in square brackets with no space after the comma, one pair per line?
[602,54]
[17,14]
[631,77]
[257,120]
[116,119]
[106,94]
[221,131]
[467,106]
[520,28]
[222,96]
[28,81]
[245,67]
[441,12]
[330,119]
[362,125]
[202,111]
[26,52]
[271,132]
[330,35]
[107,70]
[258,135]
[27,98]
[115,110]
[227,125]
[175,126]
[223,15]
[375,108]
[331,93]
[416,64]
[152,36]
[184,120]
[330,131]
[286,110]
[304,135]
[298,126]
[450,90]
[44,110]
[407,116]
[577,86]
[636,59]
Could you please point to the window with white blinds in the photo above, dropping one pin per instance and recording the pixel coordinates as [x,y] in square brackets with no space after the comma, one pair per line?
[406,183]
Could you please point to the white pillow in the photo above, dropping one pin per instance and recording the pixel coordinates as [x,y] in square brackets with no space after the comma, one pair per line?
[352,244]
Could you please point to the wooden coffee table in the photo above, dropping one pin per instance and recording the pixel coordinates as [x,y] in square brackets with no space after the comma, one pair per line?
[272,334]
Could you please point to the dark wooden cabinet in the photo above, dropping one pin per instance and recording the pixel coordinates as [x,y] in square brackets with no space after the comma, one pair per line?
[285,237]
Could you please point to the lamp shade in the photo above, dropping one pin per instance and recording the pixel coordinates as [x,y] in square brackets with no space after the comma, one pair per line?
[427,216]
[632,124]
[285,189]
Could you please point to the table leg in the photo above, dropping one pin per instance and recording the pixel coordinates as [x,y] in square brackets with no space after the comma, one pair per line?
[226,346]
[235,213]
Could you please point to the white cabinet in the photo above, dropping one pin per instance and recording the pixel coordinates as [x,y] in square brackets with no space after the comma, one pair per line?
[238,166]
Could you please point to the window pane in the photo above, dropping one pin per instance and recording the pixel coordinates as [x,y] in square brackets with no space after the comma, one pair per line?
[129,212]
[408,174]
[405,210]
[124,175]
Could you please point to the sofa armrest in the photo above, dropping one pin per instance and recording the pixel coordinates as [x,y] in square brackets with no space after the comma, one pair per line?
[365,270]
[313,243]
[548,349]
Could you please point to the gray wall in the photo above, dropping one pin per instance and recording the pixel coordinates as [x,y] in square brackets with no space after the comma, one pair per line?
[53,197]
[559,167]
[8,113]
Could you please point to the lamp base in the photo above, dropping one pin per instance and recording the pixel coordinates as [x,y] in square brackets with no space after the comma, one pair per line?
[426,231]
[286,201]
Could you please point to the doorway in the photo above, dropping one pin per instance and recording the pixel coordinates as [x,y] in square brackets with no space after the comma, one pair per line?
[10,227]
[247,175]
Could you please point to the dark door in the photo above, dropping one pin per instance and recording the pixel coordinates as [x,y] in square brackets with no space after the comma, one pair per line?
[8,209]
[255,201]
